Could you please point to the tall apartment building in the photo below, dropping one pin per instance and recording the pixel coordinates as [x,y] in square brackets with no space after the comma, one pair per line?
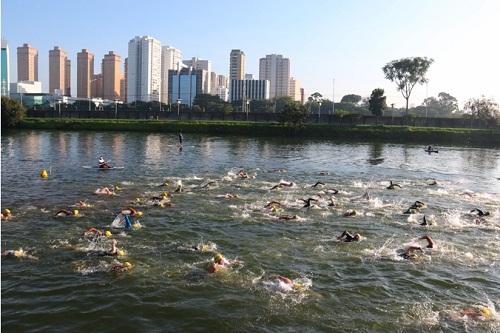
[256,90]
[111,76]
[171,59]
[222,81]
[144,69]
[294,89]
[97,86]
[185,84]
[59,72]
[125,82]
[123,88]
[206,66]
[27,63]
[236,65]
[276,69]
[84,73]
[5,68]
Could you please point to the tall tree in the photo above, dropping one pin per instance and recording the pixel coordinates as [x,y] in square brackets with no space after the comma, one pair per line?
[351,98]
[448,103]
[482,108]
[406,73]
[377,103]
[12,112]
[293,114]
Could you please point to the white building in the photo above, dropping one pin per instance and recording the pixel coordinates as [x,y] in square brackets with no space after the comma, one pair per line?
[26,87]
[144,69]
[171,58]
[276,69]
[206,66]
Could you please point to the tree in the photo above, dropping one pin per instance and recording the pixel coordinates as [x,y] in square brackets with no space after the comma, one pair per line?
[293,114]
[448,103]
[377,103]
[212,103]
[351,98]
[406,73]
[444,105]
[12,112]
[482,108]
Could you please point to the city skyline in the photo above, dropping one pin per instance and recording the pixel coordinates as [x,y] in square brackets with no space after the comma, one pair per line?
[348,42]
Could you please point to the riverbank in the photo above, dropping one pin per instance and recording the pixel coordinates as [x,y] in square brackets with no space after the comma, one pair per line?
[397,134]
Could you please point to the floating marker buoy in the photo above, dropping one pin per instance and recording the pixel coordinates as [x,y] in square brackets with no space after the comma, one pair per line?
[44,174]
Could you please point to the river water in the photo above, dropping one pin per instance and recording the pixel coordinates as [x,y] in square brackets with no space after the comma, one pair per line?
[343,287]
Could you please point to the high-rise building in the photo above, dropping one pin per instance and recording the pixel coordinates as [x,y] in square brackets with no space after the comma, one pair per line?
[206,66]
[67,77]
[302,95]
[222,81]
[123,88]
[248,76]
[58,65]
[256,90]
[125,83]
[84,73]
[276,69]
[213,83]
[294,90]
[171,58]
[144,69]
[111,76]
[97,86]
[236,65]
[27,63]
[5,68]
[184,85]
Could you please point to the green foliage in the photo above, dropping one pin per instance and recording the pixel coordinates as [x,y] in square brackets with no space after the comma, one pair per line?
[406,73]
[212,103]
[12,112]
[482,108]
[293,114]
[351,98]
[377,103]
[442,106]
[147,106]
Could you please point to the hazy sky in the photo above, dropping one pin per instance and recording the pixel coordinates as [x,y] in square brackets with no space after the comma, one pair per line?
[346,40]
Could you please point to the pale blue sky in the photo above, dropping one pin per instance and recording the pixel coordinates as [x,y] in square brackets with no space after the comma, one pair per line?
[346,40]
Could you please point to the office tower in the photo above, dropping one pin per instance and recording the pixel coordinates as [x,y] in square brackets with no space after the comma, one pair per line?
[213,83]
[144,69]
[67,77]
[97,86]
[27,63]
[236,65]
[5,69]
[184,85]
[276,69]
[111,76]
[84,73]
[171,58]
[57,71]
[125,82]
[256,90]
[206,66]
[294,90]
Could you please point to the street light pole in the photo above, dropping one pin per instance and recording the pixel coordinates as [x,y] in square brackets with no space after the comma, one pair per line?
[178,107]
[319,111]
[248,107]
[116,109]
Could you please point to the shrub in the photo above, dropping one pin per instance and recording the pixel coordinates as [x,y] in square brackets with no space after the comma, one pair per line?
[12,112]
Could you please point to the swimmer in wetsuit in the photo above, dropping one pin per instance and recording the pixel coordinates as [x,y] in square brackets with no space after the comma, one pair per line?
[409,253]
[288,217]
[308,202]
[392,185]
[350,213]
[65,212]
[318,184]
[479,212]
[347,237]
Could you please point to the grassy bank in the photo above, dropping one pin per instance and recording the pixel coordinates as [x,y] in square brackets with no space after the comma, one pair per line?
[399,134]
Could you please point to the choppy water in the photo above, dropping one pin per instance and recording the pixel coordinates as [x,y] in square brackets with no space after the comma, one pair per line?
[361,286]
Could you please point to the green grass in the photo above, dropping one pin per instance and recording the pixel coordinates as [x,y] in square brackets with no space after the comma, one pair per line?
[399,134]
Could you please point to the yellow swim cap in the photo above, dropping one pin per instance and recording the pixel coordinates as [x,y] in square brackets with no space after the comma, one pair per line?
[75,212]
[108,233]
[139,214]
[127,264]
[485,311]
[218,257]
[136,226]
[121,253]
[44,174]
[19,253]
[6,211]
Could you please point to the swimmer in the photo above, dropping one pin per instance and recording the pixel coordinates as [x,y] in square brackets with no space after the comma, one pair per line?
[126,216]
[392,185]
[113,251]
[412,211]
[432,182]
[347,237]
[273,204]
[119,268]
[6,214]
[409,253]
[230,196]
[418,204]
[324,173]
[242,174]
[180,138]
[65,212]
[166,182]
[282,184]
[332,191]
[218,263]
[208,184]
[479,212]
[14,254]
[350,213]
[318,184]
[179,187]
[288,217]
[426,222]
[331,202]
[97,233]
[162,201]
[104,191]
[477,313]
[201,247]
[308,202]
[283,284]
[103,164]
